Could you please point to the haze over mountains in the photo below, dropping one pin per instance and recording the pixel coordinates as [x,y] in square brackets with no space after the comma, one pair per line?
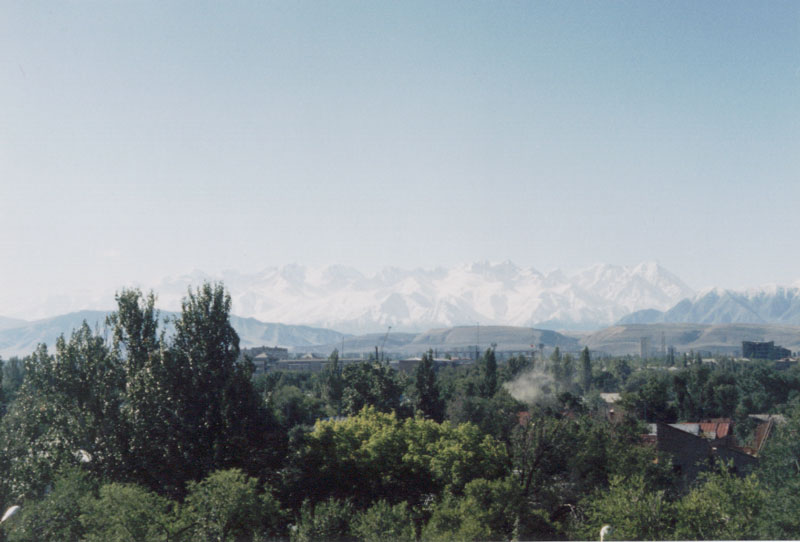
[344,299]
[23,338]
[315,306]
[318,306]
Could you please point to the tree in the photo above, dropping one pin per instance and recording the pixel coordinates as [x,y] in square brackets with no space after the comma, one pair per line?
[567,373]
[517,365]
[586,370]
[488,510]
[651,401]
[779,473]
[128,513]
[13,375]
[292,406]
[333,385]
[724,507]
[191,406]
[555,363]
[488,385]
[539,451]
[328,520]
[56,516]
[370,384]
[621,370]
[374,455]
[224,506]
[631,507]
[383,521]
[428,400]
[69,401]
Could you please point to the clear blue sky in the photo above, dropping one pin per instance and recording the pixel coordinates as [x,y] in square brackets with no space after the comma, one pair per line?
[142,139]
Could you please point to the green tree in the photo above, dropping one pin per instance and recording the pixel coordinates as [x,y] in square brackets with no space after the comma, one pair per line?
[488,510]
[374,455]
[693,392]
[540,451]
[370,384]
[488,386]
[191,407]
[518,365]
[333,385]
[621,370]
[652,401]
[294,407]
[55,517]
[631,508]
[224,506]
[328,520]
[567,373]
[427,398]
[12,377]
[129,513]
[69,401]
[496,416]
[586,370]
[383,521]
[779,473]
[555,364]
[724,506]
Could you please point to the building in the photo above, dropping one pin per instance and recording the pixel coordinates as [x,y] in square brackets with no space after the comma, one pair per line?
[695,446]
[644,347]
[262,356]
[410,364]
[764,350]
[311,363]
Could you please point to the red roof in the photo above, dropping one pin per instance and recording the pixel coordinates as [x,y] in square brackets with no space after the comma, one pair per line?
[719,427]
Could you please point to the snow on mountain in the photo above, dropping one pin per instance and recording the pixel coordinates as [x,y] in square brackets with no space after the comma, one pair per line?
[342,298]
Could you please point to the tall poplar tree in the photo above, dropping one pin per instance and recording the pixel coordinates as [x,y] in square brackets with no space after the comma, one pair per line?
[190,404]
[428,399]
[586,369]
[489,382]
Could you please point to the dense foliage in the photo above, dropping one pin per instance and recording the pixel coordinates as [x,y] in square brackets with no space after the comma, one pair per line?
[147,436]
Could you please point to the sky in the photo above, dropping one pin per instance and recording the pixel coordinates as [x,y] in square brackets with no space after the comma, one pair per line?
[140,140]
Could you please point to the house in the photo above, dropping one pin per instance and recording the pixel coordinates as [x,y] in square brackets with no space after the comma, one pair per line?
[695,446]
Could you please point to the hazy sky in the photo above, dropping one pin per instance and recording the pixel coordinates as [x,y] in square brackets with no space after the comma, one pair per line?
[144,139]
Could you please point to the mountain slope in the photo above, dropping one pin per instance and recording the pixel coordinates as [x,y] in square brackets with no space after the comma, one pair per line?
[8,323]
[454,340]
[23,340]
[724,338]
[772,304]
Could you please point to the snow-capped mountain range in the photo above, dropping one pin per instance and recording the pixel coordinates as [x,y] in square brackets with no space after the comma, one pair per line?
[347,300]
[344,299]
